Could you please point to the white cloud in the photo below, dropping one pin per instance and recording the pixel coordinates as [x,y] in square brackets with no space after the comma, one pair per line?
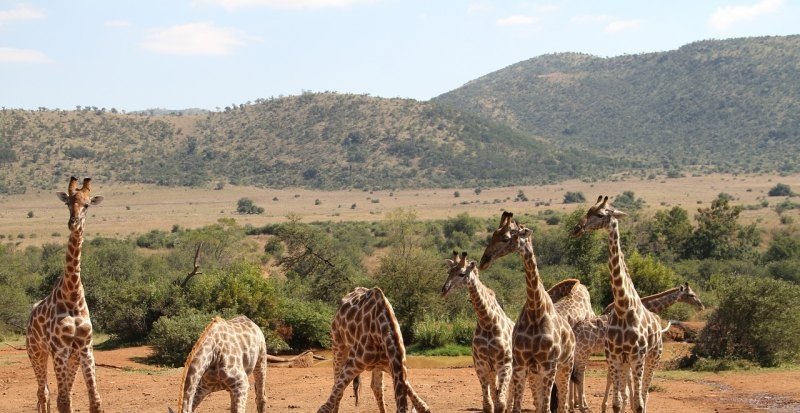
[623,26]
[285,4]
[725,17]
[11,55]
[117,23]
[546,8]
[589,19]
[194,39]
[20,13]
[517,20]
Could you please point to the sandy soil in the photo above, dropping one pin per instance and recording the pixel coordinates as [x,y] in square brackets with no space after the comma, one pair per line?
[129,386]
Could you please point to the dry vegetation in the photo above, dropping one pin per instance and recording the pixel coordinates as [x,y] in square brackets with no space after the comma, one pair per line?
[136,209]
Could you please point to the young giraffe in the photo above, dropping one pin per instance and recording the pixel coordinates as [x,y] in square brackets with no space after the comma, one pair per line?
[542,340]
[571,300]
[59,325]
[590,335]
[633,341]
[366,336]
[491,342]
[221,359]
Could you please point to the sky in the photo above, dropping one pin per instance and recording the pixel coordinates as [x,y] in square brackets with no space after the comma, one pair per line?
[175,54]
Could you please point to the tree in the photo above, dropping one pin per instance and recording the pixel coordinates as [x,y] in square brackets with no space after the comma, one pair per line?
[246,206]
[719,234]
[667,233]
[574,198]
[628,202]
[780,190]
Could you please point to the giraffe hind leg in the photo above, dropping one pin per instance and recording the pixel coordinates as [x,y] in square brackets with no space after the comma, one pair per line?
[65,365]
[39,358]
[89,376]
[377,389]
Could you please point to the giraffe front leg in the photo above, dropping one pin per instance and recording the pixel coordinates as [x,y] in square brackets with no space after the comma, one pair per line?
[39,358]
[609,380]
[649,369]
[239,394]
[503,383]
[562,384]
[618,374]
[260,381]
[487,380]
[377,389]
[637,401]
[348,371]
[89,376]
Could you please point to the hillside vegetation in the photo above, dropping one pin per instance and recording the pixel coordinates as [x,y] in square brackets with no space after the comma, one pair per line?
[728,106]
[325,140]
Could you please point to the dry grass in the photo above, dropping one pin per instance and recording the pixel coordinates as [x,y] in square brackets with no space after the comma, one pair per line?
[136,209]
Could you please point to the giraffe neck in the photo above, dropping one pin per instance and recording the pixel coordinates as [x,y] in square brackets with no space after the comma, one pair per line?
[482,301]
[538,302]
[625,295]
[72,271]
[658,302]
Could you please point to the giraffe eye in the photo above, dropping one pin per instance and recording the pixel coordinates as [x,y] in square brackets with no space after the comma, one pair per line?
[506,238]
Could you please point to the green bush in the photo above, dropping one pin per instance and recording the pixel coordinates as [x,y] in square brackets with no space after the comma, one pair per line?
[307,325]
[432,333]
[574,198]
[173,337]
[758,319]
[463,330]
[780,190]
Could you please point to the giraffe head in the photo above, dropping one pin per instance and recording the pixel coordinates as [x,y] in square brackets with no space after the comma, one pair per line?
[500,243]
[688,296]
[78,201]
[459,272]
[598,216]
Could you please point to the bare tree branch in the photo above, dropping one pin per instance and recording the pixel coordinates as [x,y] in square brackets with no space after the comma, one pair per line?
[196,266]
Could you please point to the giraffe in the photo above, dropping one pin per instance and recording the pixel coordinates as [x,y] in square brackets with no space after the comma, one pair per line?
[491,342]
[633,341]
[590,335]
[366,336]
[59,325]
[571,300]
[221,359]
[542,340]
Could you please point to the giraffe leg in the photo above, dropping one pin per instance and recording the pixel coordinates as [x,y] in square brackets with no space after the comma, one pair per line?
[65,367]
[348,371]
[562,384]
[199,395]
[87,365]
[416,401]
[485,376]
[39,358]
[637,369]
[609,380]
[260,381]
[377,389]
[518,379]
[503,382]
[548,375]
[239,394]
[618,373]
[651,362]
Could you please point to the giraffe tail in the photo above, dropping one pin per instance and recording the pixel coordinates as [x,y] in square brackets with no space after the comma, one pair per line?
[356,387]
[669,324]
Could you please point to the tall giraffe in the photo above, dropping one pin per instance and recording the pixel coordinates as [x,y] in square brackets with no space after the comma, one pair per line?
[542,340]
[59,325]
[366,336]
[633,342]
[590,335]
[491,342]
[221,359]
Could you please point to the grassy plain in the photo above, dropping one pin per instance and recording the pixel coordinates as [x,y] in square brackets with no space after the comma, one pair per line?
[135,209]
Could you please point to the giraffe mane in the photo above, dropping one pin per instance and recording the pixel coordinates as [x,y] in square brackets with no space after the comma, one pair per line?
[192,353]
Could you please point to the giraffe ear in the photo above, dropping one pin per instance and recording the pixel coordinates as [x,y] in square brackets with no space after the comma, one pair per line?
[618,214]
[450,263]
[63,197]
[96,200]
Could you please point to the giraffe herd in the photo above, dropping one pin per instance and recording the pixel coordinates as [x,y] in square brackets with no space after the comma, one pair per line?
[547,348]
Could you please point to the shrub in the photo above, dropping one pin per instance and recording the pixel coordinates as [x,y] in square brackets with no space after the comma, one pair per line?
[463,330]
[432,333]
[309,325]
[173,337]
[757,319]
[574,198]
[246,206]
[780,190]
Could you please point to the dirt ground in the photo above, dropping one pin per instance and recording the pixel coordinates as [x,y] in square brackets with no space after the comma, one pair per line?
[129,386]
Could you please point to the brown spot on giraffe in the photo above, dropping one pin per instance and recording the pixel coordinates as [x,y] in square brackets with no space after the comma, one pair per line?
[55,321]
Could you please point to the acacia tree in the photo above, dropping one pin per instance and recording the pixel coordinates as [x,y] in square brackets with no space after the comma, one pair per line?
[719,235]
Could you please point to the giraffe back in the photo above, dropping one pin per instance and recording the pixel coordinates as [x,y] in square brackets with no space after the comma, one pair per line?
[574,304]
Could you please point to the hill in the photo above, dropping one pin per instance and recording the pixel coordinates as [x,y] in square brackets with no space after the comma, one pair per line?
[323,141]
[729,106]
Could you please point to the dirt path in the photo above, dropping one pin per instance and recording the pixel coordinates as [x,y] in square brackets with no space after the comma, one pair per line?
[135,387]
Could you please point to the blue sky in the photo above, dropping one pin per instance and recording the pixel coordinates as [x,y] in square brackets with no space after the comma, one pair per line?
[141,54]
